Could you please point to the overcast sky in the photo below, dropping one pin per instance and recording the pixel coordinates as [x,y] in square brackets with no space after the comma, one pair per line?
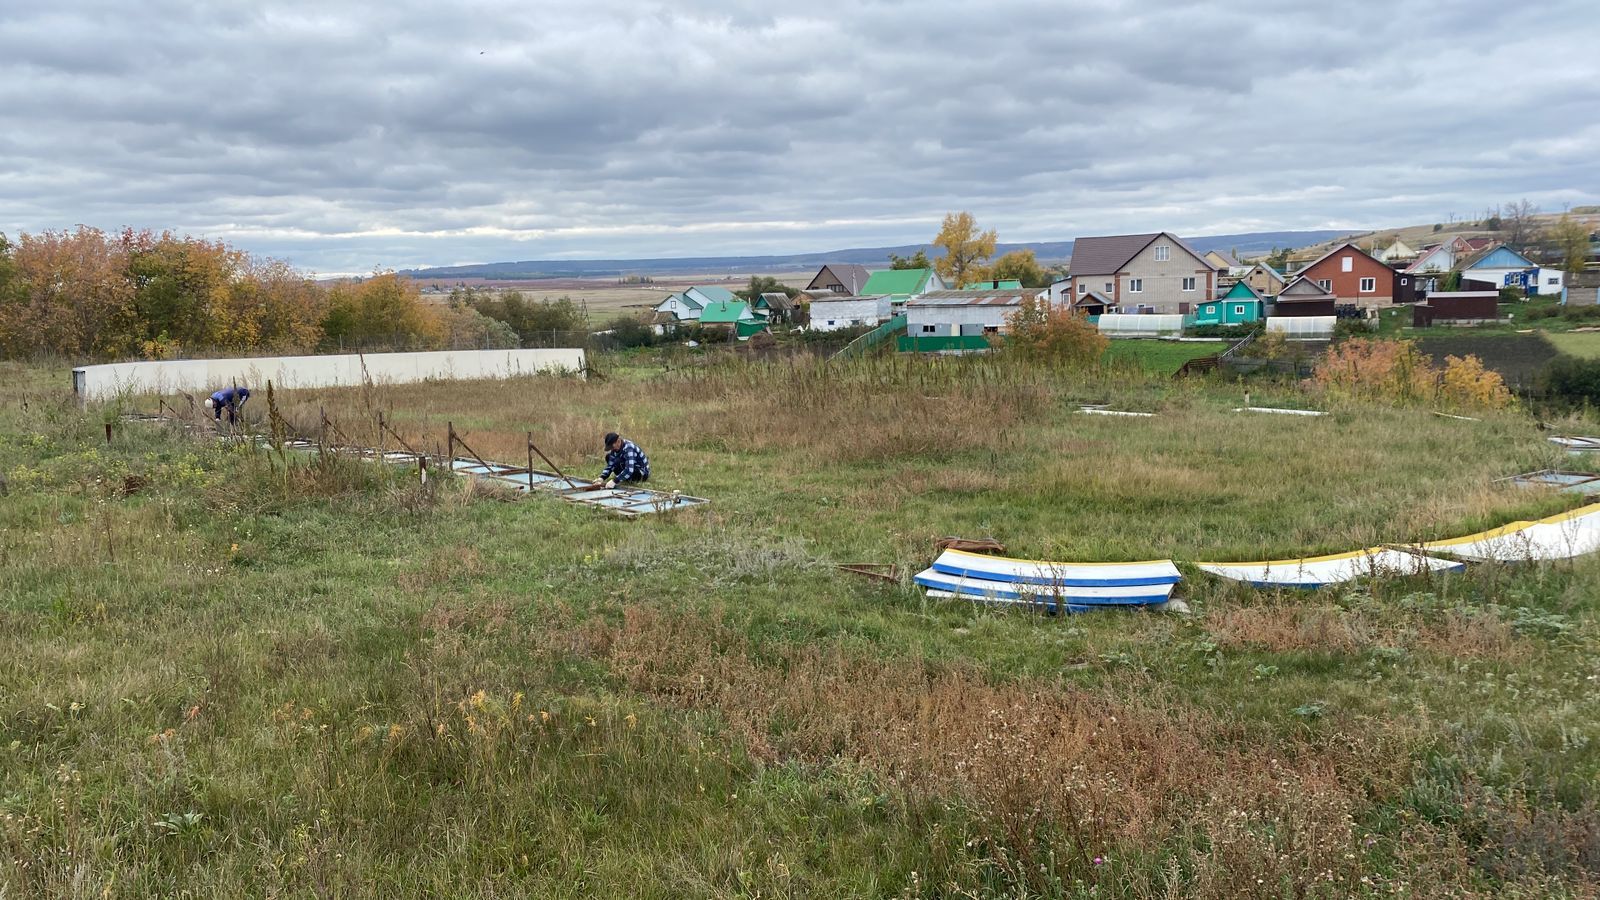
[348,137]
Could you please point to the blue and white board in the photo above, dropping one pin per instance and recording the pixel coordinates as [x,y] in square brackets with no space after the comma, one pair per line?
[1042,572]
[1020,592]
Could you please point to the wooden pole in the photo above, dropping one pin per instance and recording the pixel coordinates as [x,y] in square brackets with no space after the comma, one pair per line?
[530,462]
[108,432]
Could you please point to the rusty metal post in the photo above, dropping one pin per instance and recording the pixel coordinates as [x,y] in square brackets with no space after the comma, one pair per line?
[422,469]
[108,432]
[530,462]
[450,442]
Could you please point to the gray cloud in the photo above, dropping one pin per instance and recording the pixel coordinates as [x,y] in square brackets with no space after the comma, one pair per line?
[344,138]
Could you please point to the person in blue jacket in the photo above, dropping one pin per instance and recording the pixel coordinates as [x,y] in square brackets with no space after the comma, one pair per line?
[231,399]
[625,463]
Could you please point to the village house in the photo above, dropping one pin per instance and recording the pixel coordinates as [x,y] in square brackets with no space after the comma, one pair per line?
[959,321]
[900,285]
[1443,257]
[1093,303]
[835,313]
[1156,273]
[1304,298]
[1500,266]
[1241,305]
[686,305]
[1399,251]
[847,279]
[733,316]
[1353,276]
[1264,280]
[775,306]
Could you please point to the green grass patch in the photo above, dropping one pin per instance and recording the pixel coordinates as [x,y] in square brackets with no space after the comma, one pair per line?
[224,672]
[1160,357]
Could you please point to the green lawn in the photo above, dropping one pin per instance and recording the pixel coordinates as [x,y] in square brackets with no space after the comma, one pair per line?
[1160,357]
[1585,344]
[229,673]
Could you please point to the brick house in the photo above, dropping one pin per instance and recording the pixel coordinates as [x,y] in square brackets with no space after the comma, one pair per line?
[1146,272]
[1353,276]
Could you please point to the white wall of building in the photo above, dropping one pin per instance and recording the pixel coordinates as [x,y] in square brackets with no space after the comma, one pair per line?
[850,312]
[197,376]
[954,320]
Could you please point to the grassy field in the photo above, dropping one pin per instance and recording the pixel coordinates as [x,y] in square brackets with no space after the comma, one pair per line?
[1585,344]
[1160,357]
[229,673]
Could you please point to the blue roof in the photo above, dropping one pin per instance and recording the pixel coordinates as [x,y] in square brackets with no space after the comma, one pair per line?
[1502,258]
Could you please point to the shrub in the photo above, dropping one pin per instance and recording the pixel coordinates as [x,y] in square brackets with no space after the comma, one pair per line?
[1571,380]
[1038,331]
[1396,371]
[1467,383]
[629,331]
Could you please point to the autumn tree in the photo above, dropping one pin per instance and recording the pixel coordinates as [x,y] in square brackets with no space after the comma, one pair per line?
[1570,240]
[75,296]
[1040,332]
[383,310]
[1023,266]
[918,260]
[965,248]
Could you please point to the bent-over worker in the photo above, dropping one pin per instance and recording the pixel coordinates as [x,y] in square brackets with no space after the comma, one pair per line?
[230,398]
[625,463]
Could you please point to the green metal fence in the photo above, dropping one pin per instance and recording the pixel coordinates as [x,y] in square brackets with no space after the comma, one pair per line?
[872,338]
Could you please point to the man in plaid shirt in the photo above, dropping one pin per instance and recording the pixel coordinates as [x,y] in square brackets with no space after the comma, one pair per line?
[625,462]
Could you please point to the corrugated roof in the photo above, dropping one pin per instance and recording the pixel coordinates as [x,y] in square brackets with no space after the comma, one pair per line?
[776,300]
[980,297]
[896,281]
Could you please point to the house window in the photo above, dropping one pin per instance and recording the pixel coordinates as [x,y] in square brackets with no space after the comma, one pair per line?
[1347,264]
[1553,279]
[1162,252]
[830,321]
[1368,285]
[1110,287]
[991,329]
[1325,284]
[1082,288]
[1136,285]
[1188,283]
[929,329]
[1238,309]
[1404,282]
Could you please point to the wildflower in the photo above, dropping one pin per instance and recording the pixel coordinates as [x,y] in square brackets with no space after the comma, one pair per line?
[544,715]
[1099,860]
[477,700]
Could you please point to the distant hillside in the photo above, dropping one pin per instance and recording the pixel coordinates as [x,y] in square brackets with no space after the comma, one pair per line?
[1253,243]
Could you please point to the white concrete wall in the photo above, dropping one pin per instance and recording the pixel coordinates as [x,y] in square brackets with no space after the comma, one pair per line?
[849,313]
[206,375]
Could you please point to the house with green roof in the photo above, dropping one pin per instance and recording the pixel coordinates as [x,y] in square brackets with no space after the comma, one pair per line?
[688,304]
[1241,305]
[900,285]
[735,314]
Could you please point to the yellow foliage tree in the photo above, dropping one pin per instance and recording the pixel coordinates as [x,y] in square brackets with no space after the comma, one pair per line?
[1397,372]
[965,248]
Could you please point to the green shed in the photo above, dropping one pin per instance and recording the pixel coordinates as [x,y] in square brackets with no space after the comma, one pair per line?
[1241,305]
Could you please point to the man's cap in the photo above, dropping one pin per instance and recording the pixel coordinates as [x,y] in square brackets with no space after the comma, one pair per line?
[611,438]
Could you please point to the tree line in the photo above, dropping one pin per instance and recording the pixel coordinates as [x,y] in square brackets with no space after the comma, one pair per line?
[90,294]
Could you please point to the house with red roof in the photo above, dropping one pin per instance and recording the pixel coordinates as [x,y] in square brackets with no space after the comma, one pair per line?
[1156,273]
[1353,276]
